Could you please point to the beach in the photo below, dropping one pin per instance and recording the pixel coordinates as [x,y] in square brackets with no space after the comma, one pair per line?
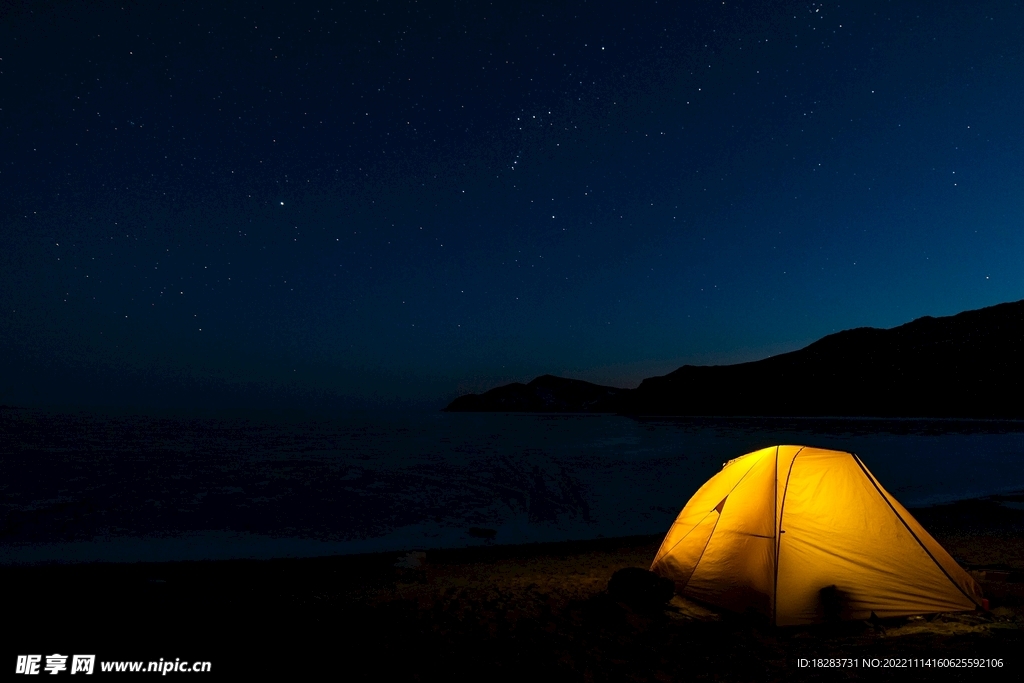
[504,612]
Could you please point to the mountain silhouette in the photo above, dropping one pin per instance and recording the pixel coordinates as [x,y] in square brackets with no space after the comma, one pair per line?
[966,365]
[546,394]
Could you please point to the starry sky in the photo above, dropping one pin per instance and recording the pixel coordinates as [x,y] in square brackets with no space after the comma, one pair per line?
[392,203]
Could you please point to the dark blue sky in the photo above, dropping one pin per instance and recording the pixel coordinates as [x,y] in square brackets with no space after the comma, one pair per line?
[400,201]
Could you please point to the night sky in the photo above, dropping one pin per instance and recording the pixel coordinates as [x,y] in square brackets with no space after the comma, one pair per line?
[391,203]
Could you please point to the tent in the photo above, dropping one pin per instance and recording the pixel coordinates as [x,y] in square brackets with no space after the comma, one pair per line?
[804,535]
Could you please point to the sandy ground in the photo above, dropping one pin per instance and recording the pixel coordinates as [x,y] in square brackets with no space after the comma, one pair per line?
[502,613]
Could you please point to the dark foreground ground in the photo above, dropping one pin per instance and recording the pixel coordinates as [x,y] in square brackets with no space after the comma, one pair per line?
[493,614]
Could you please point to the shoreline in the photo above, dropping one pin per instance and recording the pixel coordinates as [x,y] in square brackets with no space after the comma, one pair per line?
[1006,507]
[493,611]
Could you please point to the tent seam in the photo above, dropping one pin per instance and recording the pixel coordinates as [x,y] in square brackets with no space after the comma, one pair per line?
[705,548]
[871,478]
[775,531]
[778,532]
[658,556]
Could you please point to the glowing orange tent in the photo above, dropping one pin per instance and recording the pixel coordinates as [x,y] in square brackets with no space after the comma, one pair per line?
[804,535]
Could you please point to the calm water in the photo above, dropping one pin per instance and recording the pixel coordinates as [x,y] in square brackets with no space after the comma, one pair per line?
[87,488]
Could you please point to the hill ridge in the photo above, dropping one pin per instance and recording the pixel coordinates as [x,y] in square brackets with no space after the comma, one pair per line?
[969,364]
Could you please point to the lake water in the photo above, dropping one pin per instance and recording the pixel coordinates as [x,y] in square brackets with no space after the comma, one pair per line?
[107,488]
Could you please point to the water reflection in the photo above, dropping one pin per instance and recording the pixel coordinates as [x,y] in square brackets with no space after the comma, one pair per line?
[93,487]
